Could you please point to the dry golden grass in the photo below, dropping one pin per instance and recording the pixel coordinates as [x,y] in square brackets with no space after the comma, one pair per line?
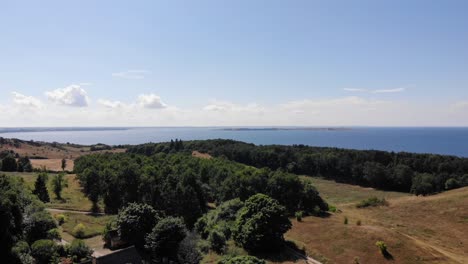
[429,229]
[52,164]
[201,155]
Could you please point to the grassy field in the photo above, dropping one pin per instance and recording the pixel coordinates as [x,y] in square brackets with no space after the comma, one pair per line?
[73,198]
[416,229]
[94,224]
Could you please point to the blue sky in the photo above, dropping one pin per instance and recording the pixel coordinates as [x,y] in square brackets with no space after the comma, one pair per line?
[156,63]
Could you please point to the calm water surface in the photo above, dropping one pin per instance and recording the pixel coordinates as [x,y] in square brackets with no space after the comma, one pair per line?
[452,141]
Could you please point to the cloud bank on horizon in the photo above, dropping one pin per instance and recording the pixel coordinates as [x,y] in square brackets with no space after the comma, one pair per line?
[73,106]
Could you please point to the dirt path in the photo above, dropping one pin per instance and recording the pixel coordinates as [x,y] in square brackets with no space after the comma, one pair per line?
[72,211]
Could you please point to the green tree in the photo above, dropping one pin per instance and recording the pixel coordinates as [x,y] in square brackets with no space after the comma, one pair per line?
[79,250]
[58,183]
[188,252]
[135,221]
[40,187]
[423,183]
[37,225]
[261,224]
[44,251]
[241,260]
[164,239]
[9,164]
[64,164]
[24,164]
[217,241]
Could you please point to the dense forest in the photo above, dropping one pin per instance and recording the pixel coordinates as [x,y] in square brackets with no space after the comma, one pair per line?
[406,172]
[181,185]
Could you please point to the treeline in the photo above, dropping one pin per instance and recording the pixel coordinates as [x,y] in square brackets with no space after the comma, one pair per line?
[9,161]
[180,185]
[406,172]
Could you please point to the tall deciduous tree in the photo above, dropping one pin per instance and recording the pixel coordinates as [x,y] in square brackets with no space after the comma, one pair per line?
[58,183]
[261,224]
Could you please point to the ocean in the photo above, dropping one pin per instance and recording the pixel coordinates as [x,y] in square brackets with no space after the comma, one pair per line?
[450,141]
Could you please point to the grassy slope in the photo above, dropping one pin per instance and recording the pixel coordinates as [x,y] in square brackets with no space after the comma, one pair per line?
[416,229]
[73,198]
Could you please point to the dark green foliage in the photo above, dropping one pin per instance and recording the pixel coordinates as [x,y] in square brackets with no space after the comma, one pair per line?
[78,250]
[22,253]
[222,219]
[452,184]
[40,187]
[217,241]
[24,165]
[164,239]
[37,225]
[64,164]
[58,183]
[385,170]
[188,252]
[241,260]
[261,223]
[44,251]
[9,164]
[299,216]
[423,183]
[181,185]
[373,201]
[135,221]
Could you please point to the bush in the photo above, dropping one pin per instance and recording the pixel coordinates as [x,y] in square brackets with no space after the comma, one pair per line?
[53,234]
[44,251]
[358,223]
[345,220]
[332,208]
[451,184]
[299,216]
[373,201]
[217,241]
[79,230]
[78,250]
[241,260]
[61,218]
[37,226]
[382,247]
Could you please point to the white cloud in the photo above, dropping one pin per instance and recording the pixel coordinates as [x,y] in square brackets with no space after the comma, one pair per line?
[27,101]
[111,104]
[225,106]
[355,90]
[361,90]
[460,105]
[396,90]
[131,74]
[151,101]
[72,95]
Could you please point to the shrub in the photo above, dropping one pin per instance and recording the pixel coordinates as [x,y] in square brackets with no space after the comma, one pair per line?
[217,241]
[451,184]
[382,247]
[44,251]
[332,208]
[358,222]
[79,230]
[241,260]
[78,250]
[299,215]
[373,201]
[53,234]
[61,218]
[37,226]
[203,246]
[345,220]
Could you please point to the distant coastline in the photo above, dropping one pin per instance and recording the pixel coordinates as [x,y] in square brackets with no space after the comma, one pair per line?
[56,129]
[285,128]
